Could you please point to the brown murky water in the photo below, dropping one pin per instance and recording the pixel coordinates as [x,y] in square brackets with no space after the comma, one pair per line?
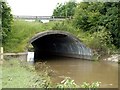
[85,71]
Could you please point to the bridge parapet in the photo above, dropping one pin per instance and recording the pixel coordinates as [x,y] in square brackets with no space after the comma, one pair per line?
[41,17]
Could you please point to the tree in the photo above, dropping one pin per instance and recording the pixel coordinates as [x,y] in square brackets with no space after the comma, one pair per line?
[110,21]
[65,10]
[7,19]
[0,23]
[96,16]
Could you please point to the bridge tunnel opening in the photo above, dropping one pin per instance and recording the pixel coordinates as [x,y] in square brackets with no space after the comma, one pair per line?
[56,45]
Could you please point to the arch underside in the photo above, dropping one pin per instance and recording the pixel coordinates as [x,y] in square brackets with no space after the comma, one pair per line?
[59,43]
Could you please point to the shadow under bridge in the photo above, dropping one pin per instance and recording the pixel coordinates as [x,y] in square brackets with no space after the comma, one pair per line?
[54,43]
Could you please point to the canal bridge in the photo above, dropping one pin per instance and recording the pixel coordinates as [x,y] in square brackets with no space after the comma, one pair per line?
[59,43]
[52,18]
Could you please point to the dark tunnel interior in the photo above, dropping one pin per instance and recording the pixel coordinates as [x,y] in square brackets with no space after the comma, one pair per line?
[54,44]
[51,46]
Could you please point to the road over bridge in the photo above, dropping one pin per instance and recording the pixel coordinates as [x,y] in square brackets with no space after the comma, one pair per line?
[41,18]
[59,43]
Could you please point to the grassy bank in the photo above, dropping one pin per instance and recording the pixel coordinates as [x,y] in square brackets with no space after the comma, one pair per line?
[0,76]
[17,74]
[21,33]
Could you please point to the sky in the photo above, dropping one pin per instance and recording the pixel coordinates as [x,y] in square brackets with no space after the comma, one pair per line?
[34,7]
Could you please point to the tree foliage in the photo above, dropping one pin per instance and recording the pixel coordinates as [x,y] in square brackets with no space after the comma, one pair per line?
[0,23]
[66,9]
[7,19]
[96,16]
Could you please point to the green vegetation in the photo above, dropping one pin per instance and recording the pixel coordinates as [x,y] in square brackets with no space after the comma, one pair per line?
[7,20]
[68,83]
[67,9]
[0,24]
[20,74]
[0,76]
[95,24]
[21,33]
[93,17]
[92,85]
[98,16]
[99,42]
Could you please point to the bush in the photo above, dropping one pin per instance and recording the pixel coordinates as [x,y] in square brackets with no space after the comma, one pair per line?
[94,16]
[92,85]
[100,41]
[65,10]
[69,83]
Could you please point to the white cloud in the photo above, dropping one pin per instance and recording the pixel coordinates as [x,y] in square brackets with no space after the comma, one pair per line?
[34,7]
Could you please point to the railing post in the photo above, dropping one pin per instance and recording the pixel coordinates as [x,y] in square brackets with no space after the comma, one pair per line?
[1,51]
[53,18]
[36,18]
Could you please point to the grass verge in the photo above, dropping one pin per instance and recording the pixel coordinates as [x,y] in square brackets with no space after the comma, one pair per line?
[0,75]
[17,74]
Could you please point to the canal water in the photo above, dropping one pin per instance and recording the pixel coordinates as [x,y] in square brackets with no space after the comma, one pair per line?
[84,71]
